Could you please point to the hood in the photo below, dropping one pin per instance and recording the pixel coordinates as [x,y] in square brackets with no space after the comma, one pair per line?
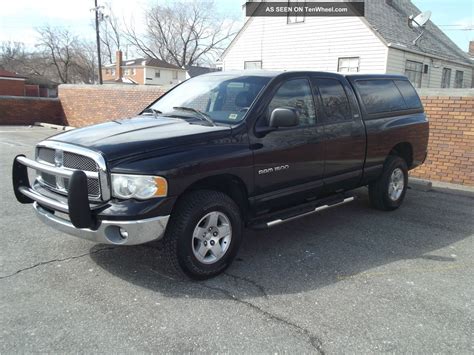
[123,138]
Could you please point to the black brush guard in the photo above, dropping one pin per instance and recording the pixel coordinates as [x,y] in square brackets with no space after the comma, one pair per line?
[77,207]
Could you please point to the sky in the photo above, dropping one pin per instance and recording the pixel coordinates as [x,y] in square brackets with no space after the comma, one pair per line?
[19,18]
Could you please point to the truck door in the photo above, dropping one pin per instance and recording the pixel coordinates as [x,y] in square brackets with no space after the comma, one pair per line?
[288,162]
[345,139]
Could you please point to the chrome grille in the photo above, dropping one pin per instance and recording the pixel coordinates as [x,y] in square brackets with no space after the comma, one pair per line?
[93,187]
[80,162]
[72,161]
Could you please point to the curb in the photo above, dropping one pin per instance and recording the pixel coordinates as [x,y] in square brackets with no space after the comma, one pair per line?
[427,185]
[54,126]
[420,184]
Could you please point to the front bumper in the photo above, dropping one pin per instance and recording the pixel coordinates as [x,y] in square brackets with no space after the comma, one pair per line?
[109,232]
[81,220]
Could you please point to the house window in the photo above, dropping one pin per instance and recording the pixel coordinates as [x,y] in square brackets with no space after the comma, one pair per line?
[157,73]
[446,78]
[348,64]
[107,71]
[175,74]
[126,72]
[113,72]
[253,64]
[458,79]
[414,71]
[298,14]
[133,71]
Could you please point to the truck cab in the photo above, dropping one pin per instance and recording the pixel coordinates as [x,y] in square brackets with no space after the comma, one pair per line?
[225,151]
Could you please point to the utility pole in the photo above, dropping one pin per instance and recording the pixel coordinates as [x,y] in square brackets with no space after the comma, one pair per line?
[99,61]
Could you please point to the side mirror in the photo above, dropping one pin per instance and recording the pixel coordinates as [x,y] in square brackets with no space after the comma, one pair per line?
[283,117]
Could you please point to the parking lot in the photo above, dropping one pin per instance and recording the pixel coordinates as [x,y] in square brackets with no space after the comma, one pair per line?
[350,279]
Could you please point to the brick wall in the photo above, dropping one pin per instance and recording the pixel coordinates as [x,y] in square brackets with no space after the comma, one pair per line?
[88,104]
[451,145]
[17,110]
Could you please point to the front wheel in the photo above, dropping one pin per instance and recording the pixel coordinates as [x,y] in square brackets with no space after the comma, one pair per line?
[203,235]
[388,191]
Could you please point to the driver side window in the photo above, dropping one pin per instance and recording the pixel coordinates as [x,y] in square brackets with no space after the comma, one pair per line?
[295,94]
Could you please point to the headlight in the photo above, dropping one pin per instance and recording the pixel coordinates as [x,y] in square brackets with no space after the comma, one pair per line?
[138,186]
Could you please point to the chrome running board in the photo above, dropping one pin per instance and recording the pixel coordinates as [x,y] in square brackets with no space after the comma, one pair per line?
[317,209]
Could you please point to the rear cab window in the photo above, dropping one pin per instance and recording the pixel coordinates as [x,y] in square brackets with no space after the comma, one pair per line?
[412,100]
[385,96]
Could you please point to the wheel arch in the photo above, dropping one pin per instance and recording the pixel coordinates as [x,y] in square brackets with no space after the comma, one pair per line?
[405,151]
[229,184]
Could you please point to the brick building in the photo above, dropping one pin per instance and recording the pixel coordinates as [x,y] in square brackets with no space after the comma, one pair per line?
[12,84]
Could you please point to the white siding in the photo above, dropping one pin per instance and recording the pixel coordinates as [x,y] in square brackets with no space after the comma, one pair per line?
[396,65]
[166,76]
[315,44]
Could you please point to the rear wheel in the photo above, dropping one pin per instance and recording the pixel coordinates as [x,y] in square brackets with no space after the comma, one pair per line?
[203,235]
[388,191]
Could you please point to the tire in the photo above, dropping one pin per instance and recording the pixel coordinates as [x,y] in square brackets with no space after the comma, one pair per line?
[388,191]
[202,218]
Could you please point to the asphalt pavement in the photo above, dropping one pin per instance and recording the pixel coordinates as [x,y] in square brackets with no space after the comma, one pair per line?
[348,280]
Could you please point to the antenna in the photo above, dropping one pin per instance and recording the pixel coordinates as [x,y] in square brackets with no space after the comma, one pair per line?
[418,22]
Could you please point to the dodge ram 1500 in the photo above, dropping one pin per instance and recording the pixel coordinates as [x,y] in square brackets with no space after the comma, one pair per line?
[225,151]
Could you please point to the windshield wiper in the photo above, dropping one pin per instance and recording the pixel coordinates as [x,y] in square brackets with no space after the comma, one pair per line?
[200,114]
[153,111]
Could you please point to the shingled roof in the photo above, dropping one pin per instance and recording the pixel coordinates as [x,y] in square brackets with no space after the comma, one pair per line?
[389,18]
[150,62]
[10,74]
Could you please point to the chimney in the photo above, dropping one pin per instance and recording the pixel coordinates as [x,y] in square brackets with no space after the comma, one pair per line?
[471,48]
[118,66]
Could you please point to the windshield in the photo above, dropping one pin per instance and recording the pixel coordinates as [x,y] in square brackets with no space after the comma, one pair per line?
[222,98]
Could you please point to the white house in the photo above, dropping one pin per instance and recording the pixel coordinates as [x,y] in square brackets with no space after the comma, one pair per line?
[380,42]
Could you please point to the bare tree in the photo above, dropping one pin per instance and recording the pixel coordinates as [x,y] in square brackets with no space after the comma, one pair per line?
[15,58]
[183,33]
[85,68]
[110,34]
[11,54]
[59,46]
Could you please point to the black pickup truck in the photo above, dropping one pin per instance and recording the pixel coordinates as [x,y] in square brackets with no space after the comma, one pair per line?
[225,151]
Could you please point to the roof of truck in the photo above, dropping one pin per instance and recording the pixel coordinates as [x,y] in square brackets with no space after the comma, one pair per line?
[274,73]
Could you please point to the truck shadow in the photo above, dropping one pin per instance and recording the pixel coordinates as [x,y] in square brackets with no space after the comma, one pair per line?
[339,244]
